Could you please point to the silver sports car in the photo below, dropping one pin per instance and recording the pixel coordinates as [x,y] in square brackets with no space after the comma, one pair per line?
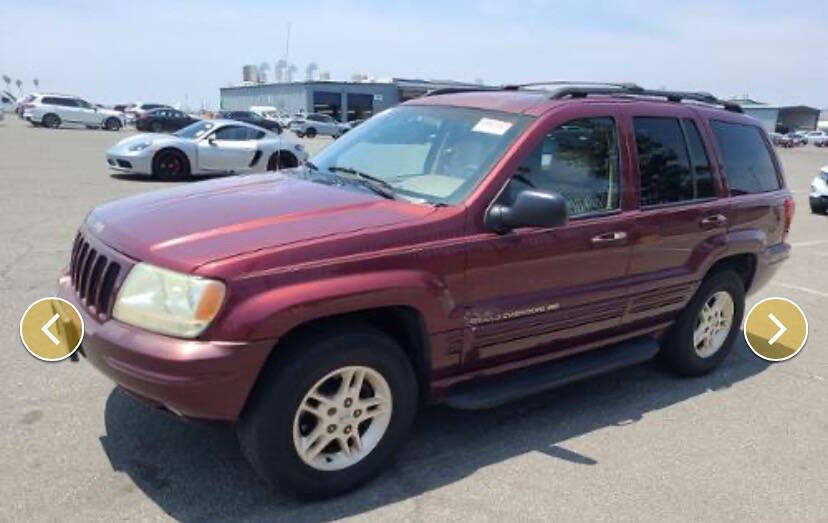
[206,147]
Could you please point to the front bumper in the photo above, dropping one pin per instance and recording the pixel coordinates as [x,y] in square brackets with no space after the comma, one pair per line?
[196,379]
[129,161]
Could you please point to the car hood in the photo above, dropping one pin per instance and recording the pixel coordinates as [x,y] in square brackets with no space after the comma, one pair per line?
[188,226]
[146,137]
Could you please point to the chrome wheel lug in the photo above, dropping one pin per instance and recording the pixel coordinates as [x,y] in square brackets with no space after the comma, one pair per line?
[348,402]
[357,413]
[347,430]
[331,429]
[331,411]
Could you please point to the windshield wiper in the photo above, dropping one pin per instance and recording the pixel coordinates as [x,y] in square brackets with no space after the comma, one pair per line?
[378,185]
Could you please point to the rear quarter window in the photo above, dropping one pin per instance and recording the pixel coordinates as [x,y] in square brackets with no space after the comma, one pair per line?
[749,167]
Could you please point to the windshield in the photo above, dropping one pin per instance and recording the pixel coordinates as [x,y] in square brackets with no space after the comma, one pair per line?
[195,130]
[435,154]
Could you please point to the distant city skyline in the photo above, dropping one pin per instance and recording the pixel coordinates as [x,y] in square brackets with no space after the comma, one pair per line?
[183,53]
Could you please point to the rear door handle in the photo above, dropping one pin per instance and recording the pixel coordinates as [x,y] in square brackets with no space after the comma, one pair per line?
[609,237]
[713,221]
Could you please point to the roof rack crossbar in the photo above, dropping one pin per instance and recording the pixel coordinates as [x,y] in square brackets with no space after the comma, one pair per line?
[672,96]
[625,85]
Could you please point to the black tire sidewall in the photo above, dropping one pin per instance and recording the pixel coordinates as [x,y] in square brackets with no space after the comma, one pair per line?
[266,429]
[678,351]
[157,160]
[112,124]
[52,121]
[311,133]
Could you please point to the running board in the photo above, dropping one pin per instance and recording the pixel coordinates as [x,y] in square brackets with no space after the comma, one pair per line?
[497,390]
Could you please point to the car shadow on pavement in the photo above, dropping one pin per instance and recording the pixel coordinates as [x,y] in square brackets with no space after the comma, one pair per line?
[152,179]
[196,472]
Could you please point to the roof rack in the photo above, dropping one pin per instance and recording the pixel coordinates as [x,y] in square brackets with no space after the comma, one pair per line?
[635,90]
[575,89]
[455,90]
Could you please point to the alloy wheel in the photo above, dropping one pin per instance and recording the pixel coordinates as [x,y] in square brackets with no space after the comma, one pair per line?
[713,324]
[342,418]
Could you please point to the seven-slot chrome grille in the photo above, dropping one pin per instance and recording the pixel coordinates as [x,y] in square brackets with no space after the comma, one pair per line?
[96,272]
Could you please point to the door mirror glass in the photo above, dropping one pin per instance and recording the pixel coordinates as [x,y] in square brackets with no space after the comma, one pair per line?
[526,208]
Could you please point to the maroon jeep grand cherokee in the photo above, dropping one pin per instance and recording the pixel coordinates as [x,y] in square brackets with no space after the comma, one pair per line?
[464,247]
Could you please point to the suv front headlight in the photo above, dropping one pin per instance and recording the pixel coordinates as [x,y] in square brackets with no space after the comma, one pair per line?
[168,302]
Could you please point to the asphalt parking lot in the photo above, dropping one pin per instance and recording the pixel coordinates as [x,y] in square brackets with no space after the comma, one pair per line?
[744,443]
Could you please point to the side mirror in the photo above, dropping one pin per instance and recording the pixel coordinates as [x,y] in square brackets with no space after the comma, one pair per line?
[211,140]
[531,208]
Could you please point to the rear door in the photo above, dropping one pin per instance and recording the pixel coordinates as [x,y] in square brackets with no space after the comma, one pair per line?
[535,291]
[682,218]
[751,173]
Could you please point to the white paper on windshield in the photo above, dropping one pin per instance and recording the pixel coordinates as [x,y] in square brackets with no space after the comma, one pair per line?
[491,126]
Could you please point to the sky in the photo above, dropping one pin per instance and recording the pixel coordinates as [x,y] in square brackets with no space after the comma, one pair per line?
[182,52]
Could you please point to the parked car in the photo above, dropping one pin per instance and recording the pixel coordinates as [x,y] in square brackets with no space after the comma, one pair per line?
[462,249]
[55,110]
[205,147]
[8,102]
[253,119]
[818,197]
[797,138]
[314,124]
[350,125]
[781,140]
[818,138]
[140,109]
[163,120]
[25,103]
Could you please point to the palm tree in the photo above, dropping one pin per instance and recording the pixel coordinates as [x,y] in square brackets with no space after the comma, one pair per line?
[36,83]
[7,79]
[19,84]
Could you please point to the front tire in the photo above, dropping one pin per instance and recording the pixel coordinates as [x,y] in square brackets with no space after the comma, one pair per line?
[329,413]
[310,133]
[705,330]
[156,127]
[170,164]
[817,207]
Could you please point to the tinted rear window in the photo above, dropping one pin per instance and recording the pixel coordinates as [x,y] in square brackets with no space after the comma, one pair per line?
[662,161]
[748,164]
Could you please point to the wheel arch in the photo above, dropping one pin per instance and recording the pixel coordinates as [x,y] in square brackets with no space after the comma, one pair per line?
[743,264]
[284,157]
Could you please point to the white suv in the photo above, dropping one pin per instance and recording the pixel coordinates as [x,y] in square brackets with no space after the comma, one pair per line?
[316,123]
[54,110]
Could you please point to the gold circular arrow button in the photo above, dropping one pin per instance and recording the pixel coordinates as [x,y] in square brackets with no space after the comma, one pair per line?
[776,329]
[51,329]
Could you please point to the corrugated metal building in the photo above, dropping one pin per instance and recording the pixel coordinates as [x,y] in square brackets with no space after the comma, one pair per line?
[783,118]
[344,101]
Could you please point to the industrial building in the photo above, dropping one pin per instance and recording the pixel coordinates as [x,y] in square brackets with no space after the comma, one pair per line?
[781,118]
[344,101]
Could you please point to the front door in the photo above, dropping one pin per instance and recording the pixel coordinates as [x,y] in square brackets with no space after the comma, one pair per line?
[532,291]
[230,148]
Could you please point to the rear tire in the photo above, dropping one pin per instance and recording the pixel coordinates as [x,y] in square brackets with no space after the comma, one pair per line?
[703,335]
[281,160]
[112,124]
[311,132]
[51,120]
[278,429]
[156,127]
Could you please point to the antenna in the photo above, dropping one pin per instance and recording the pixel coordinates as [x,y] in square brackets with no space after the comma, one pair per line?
[279,71]
[287,44]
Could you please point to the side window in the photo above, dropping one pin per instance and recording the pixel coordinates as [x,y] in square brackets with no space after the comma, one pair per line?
[747,161]
[236,133]
[700,162]
[662,161]
[578,160]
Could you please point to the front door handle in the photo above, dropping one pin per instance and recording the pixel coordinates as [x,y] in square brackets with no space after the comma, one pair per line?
[714,221]
[609,237]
